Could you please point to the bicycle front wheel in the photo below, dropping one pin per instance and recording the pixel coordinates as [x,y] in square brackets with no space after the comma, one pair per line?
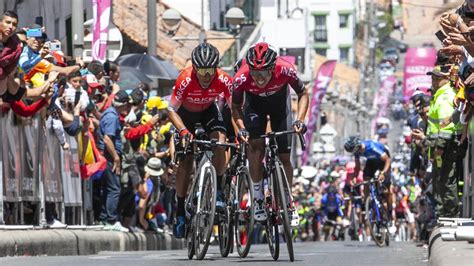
[373,222]
[244,212]
[284,199]
[206,210]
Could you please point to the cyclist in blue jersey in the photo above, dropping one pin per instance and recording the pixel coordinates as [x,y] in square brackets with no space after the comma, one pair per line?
[378,159]
[331,206]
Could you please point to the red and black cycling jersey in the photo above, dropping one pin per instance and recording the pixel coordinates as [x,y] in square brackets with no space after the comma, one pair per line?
[189,94]
[284,74]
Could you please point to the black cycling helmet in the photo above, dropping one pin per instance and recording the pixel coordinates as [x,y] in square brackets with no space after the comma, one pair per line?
[261,56]
[351,144]
[238,64]
[205,55]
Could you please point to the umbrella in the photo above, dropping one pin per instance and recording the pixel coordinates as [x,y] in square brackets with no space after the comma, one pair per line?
[151,66]
[130,78]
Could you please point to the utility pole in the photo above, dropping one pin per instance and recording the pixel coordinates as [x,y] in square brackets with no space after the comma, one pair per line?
[77,21]
[151,23]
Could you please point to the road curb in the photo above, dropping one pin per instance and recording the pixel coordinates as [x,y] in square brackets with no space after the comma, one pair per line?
[449,252]
[80,242]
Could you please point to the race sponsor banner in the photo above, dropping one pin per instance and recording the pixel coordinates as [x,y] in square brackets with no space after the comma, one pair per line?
[100,28]
[51,166]
[29,158]
[382,99]
[70,174]
[11,158]
[323,78]
[418,61]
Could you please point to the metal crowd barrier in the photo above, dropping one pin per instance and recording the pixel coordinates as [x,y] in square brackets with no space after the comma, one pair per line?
[34,168]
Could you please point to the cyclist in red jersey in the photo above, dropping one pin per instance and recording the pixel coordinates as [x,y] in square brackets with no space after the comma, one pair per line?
[264,80]
[194,101]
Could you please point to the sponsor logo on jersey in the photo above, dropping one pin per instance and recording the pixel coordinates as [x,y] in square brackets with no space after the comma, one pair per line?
[200,100]
[182,86]
[239,80]
[289,71]
[227,82]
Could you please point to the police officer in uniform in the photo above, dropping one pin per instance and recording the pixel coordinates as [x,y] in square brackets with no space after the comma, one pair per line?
[443,138]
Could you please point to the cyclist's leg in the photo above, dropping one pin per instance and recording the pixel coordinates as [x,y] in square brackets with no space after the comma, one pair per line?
[214,125]
[280,120]
[183,175]
[255,123]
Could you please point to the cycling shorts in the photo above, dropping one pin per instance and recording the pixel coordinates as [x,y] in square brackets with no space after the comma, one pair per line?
[371,168]
[255,117]
[210,119]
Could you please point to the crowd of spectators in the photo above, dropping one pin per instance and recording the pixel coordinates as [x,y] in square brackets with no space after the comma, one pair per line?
[133,179]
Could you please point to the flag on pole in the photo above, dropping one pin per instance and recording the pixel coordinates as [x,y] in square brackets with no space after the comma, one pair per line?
[323,78]
[100,28]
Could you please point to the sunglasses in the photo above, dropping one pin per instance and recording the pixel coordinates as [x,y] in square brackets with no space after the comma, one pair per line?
[260,73]
[205,71]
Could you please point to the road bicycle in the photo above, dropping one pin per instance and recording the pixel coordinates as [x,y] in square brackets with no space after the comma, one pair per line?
[238,219]
[277,195]
[376,215]
[200,203]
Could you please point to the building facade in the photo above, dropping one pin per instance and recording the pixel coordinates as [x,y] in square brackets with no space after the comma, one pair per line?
[332,24]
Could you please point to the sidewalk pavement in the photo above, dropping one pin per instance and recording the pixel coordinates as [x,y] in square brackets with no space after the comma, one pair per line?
[65,242]
[452,243]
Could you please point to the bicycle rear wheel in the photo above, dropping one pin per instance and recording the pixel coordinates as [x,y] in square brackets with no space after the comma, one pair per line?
[206,210]
[271,225]
[284,201]
[226,223]
[376,230]
[244,212]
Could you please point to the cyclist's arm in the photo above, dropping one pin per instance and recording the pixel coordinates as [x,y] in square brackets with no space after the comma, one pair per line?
[387,161]
[303,103]
[357,167]
[175,104]
[236,110]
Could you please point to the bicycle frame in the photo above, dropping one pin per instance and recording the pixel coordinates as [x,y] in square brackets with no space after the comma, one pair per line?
[374,195]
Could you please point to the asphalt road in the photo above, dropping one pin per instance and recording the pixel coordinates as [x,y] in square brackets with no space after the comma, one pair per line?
[308,253]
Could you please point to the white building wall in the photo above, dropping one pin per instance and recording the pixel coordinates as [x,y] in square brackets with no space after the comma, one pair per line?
[337,36]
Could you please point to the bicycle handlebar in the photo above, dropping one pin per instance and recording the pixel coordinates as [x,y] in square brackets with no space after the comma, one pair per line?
[372,180]
[213,143]
[282,133]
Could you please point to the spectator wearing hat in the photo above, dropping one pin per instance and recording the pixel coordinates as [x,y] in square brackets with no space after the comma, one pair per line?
[151,182]
[110,143]
[10,51]
[443,137]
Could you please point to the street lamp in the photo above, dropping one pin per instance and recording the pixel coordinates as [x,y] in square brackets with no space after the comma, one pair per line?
[171,20]
[235,16]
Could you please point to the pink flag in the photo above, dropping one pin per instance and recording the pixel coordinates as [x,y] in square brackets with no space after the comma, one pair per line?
[381,100]
[323,78]
[100,28]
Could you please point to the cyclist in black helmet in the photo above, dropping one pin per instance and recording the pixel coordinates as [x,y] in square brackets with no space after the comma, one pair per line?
[194,100]
[378,159]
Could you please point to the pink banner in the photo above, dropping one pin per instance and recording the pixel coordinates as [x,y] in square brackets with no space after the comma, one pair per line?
[323,78]
[418,61]
[100,28]
[382,99]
